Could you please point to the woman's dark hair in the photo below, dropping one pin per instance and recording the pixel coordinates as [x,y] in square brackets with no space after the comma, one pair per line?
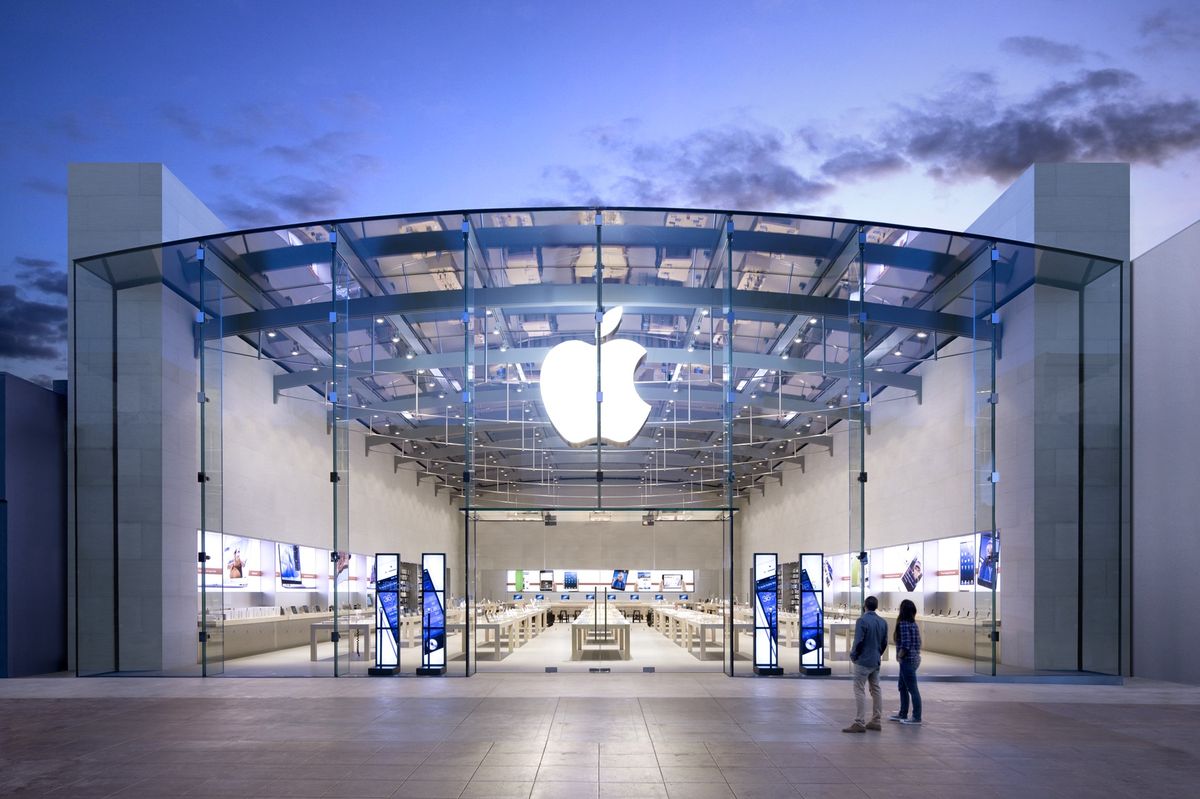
[908,612]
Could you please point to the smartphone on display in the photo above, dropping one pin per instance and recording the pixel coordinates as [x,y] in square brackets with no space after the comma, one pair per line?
[433,633]
[570,581]
[388,591]
[620,576]
[988,558]
[811,626]
[966,564]
[912,575]
[766,589]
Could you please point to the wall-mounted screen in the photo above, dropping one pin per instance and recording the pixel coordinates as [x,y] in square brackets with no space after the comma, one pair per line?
[672,582]
[912,574]
[290,574]
[643,581]
[989,557]
[571,581]
[620,576]
[966,563]
[546,579]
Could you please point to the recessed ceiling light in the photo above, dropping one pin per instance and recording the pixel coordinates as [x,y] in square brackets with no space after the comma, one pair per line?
[379,320]
[897,353]
[922,334]
[409,355]
[271,334]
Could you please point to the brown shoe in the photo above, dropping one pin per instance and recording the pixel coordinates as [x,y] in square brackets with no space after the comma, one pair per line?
[855,727]
[873,725]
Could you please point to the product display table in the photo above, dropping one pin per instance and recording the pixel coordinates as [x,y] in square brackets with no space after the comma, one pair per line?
[515,626]
[687,627]
[595,629]
[355,626]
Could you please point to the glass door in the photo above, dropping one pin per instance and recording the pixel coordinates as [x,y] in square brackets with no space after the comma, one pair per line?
[212,565]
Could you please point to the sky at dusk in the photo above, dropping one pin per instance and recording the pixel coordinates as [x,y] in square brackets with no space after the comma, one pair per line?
[913,113]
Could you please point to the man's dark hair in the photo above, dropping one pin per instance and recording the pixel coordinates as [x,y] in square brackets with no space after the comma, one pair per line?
[871,603]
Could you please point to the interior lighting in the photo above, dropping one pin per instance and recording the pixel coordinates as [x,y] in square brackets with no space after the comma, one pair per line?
[783,355]
[898,353]
[295,350]
[408,355]
[704,312]
[504,348]
[379,320]
[812,321]
[396,340]
[921,334]
[878,368]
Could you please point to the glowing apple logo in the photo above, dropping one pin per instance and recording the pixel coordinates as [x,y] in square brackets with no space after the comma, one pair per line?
[569,388]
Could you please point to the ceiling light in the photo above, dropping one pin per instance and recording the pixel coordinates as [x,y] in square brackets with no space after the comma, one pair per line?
[922,334]
[704,312]
[812,321]
[408,355]
[783,355]
[504,348]
[396,340]
[496,332]
[314,368]
[897,353]
[691,348]
[379,320]
[271,334]
[295,350]
[878,368]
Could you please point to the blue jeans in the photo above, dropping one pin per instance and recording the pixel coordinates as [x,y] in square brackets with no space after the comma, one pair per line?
[908,686]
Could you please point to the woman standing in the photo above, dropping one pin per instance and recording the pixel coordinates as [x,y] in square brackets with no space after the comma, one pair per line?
[908,653]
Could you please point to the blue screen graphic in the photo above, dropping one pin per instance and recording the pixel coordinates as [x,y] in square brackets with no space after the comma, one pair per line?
[966,564]
[766,590]
[620,576]
[433,633]
[388,597]
[811,627]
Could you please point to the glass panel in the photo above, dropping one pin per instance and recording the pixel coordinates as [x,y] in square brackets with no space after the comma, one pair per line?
[983,403]
[1101,416]
[350,633]
[93,376]
[215,566]
[854,397]
[732,627]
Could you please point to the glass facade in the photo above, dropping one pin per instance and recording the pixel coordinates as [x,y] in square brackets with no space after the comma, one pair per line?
[901,400]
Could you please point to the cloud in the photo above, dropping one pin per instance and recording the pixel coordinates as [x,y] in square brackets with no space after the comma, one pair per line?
[44,186]
[1042,49]
[1170,28]
[856,162]
[731,166]
[1098,115]
[71,127]
[29,329]
[41,274]
[286,198]
[248,122]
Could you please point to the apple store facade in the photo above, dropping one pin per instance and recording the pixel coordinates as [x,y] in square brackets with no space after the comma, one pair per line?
[618,428]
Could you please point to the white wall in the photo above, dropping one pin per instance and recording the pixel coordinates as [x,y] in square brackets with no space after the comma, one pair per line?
[277,463]
[1166,459]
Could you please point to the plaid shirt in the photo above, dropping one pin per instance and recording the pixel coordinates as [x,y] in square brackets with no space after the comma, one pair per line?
[909,638]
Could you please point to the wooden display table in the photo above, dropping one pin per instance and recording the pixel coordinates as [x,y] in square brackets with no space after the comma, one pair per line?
[592,631]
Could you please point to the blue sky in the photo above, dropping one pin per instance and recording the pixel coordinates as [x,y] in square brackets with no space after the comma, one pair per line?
[916,113]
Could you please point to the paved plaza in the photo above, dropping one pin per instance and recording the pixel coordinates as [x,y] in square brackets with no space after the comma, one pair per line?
[580,736]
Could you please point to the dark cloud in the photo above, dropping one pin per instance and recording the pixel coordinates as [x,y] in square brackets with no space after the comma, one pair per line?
[576,189]
[1170,28]
[71,127]
[29,329]
[248,123]
[863,161]
[1099,115]
[739,167]
[43,186]
[288,198]
[41,274]
[1043,49]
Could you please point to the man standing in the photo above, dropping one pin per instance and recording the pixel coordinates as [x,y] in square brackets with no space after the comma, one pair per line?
[870,641]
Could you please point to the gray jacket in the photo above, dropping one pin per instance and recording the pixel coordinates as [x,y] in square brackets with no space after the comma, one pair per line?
[870,631]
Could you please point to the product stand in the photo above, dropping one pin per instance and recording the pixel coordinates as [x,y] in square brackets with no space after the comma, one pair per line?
[387,594]
[764,579]
[812,615]
[433,615]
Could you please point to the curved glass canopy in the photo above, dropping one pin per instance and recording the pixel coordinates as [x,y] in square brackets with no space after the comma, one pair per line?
[819,317]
